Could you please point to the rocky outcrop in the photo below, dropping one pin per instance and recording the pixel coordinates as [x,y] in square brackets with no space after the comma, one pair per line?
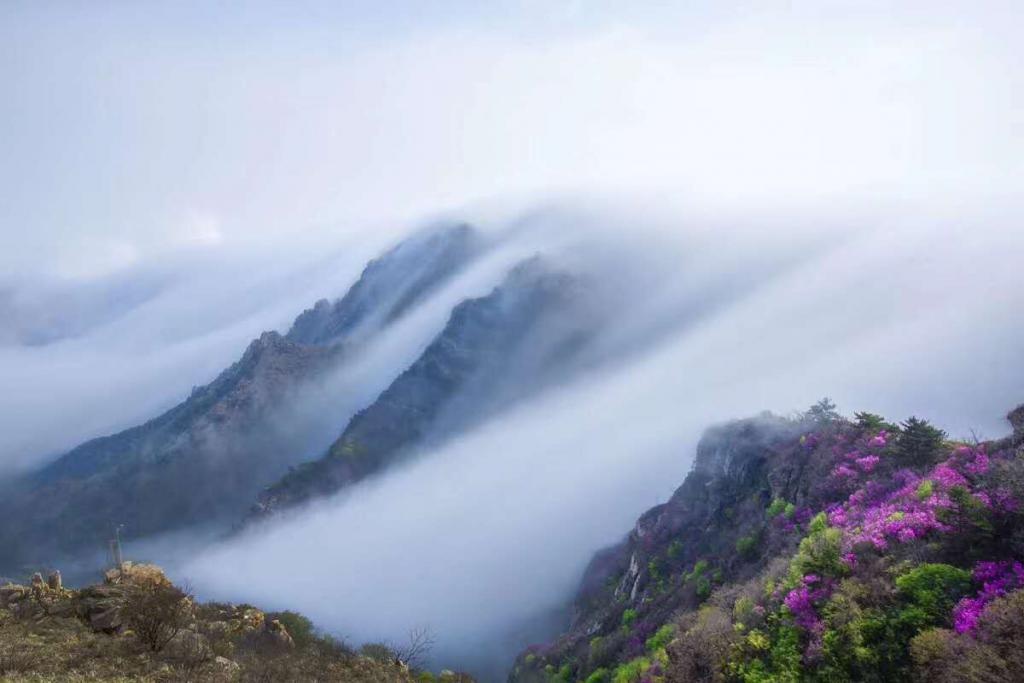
[56,634]
[389,285]
[1016,418]
[680,549]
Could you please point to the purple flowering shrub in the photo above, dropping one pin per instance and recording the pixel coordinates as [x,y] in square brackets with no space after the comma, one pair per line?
[996,579]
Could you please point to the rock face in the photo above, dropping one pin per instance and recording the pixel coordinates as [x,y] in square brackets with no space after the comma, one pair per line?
[493,350]
[737,472]
[205,460]
[388,286]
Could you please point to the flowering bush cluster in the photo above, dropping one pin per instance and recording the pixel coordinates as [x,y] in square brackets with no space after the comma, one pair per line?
[997,579]
[891,522]
[877,515]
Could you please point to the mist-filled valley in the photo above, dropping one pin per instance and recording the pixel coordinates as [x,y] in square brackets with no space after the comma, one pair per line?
[531,383]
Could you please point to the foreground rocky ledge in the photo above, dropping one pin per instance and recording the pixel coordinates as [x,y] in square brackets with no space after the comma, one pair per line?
[138,626]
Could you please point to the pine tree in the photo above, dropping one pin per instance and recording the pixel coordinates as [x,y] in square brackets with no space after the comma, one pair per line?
[919,443]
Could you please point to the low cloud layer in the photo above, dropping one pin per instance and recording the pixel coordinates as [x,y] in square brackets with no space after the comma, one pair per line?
[487,534]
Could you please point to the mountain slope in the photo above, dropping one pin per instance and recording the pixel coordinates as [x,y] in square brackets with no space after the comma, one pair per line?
[205,459]
[493,350]
[812,549]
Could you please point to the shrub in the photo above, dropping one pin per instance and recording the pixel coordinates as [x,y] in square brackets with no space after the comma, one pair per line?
[747,546]
[776,508]
[820,552]
[661,638]
[299,627]
[703,646]
[156,613]
[934,589]
[628,617]
[631,671]
[380,652]
[941,656]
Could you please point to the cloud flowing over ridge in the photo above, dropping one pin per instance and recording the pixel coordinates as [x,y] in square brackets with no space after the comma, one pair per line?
[482,535]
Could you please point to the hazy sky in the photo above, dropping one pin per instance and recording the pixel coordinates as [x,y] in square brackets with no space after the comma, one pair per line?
[128,129]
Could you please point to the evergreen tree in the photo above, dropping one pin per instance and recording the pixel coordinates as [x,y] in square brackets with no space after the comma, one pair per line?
[823,411]
[919,443]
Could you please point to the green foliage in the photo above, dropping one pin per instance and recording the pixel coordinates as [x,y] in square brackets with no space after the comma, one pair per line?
[776,508]
[933,589]
[298,626]
[697,572]
[925,490]
[630,672]
[772,659]
[675,549]
[968,515]
[820,552]
[823,412]
[747,546]
[919,444]
[699,579]
[598,676]
[873,423]
[380,652]
[628,617]
[661,638]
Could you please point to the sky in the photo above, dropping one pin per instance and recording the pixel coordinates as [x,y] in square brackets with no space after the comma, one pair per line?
[133,129]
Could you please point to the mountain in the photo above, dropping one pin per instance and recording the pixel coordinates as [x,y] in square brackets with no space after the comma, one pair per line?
[204,460]
[810,549]
[494,350]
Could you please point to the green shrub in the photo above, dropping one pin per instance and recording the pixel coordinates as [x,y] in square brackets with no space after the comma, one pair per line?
[598,676]
[298,626]
[820,552]
[919,443]
[630,672]
[628,617]
[747,546]
[776,508]
[934,589]
[661,638]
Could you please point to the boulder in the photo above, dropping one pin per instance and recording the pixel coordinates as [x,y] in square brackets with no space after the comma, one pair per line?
[54,582]
[188,646]
[227,667]
[100,606]
[11,594]
[107,620]
[274,638]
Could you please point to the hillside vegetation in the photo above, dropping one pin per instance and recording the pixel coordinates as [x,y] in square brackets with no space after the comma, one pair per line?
[815,548]
[138,626]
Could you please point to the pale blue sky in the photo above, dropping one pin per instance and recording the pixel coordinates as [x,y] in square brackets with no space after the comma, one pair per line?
[129,129]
